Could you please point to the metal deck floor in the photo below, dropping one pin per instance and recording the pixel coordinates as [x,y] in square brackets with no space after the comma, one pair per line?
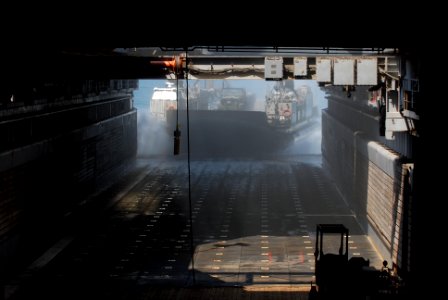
[251,226]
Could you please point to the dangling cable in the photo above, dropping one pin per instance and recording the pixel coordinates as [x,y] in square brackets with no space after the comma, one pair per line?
[176,149]
[189,174]
[177,94]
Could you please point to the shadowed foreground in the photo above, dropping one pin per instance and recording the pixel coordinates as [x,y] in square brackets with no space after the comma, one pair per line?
[252,292]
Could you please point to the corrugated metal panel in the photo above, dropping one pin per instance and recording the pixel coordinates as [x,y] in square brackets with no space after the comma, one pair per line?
[401,144]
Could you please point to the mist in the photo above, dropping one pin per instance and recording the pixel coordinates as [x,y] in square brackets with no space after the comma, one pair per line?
[307,142]
[152,136]
[231,133]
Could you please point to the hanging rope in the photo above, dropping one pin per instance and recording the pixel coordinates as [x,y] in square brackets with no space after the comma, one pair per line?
[176,149]
[189,174]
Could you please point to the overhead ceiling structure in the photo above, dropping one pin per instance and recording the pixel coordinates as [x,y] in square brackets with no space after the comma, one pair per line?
[338,66]
[109,60]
